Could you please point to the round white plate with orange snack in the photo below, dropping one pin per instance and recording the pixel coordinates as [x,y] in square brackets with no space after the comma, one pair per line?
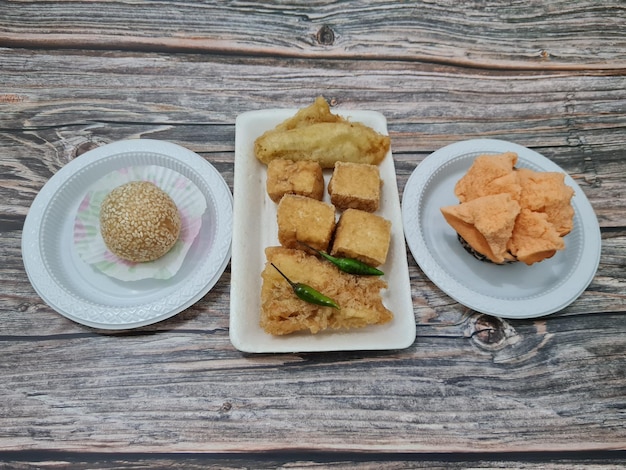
[86,295]
[255,228]
[509,291]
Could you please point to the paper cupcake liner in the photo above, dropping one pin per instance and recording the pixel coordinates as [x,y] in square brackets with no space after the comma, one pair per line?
[90,245]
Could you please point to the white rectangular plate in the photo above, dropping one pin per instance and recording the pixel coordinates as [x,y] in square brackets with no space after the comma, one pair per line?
[255,228]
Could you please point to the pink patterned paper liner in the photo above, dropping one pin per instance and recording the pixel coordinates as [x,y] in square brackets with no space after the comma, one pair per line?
[88,241]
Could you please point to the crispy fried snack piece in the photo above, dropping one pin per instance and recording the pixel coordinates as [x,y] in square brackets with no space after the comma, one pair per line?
[547,192]
[282,312]
[316,134]
[545,209]
[534,237]
[319,111]
[486,223]
[489,174]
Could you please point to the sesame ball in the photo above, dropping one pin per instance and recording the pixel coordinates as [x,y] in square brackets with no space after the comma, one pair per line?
[139,222]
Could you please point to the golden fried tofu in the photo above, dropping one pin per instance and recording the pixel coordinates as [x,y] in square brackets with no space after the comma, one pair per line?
[356,186]
[288,177]
[282,312]
[534,238]
[362,235]
[316,134]
[489,174]
[302,219]
[486,223]
[547,192]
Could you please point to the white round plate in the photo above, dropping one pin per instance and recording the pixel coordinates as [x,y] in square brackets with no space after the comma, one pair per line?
[87,296]
[507,291]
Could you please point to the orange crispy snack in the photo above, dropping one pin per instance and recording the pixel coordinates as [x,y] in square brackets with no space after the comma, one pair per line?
[547,192]
[489,174]
[486,223]
[545,210]
[534,238]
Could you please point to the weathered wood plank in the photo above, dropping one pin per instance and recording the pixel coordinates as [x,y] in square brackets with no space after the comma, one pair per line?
[307,459]
[530,35]
[427,108]
[141,388]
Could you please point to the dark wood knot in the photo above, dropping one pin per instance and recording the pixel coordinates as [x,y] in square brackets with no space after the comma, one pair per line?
[492,333]
[325,36]
[488,330]
[84,147]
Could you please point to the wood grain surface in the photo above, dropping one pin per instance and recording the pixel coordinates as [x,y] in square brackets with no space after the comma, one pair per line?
[473,390]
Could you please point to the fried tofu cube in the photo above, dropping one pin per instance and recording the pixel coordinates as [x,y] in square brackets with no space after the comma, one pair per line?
[302,219]
[362,235]
[288,177]
[355,186]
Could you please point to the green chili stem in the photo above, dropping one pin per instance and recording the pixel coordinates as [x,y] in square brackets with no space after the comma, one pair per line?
[307,293]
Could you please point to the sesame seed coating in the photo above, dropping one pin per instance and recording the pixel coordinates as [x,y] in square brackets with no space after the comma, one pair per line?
[139,222]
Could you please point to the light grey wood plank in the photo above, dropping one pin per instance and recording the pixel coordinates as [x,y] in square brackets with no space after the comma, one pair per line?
[531,35]
[582,131]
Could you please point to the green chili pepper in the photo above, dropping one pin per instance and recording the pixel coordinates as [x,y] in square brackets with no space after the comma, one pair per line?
[348,265]
[307,293]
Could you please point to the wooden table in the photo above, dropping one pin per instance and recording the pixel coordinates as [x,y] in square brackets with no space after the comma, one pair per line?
[472,390]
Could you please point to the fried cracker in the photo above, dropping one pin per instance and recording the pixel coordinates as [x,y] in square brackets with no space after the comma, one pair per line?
[547,192]
[486,223]
[488,175]
[534,238]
